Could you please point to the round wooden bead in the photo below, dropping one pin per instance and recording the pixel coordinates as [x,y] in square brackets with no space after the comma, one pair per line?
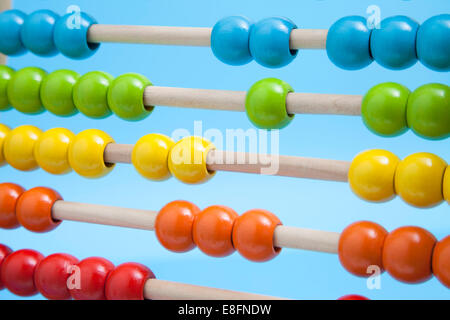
[127,281]
[150,156]
[187,160]
[371,175]
[4,131]
[230,40]
[9,194]
[361,246]
[353,297]
[126,97]
[70,35]
[11,22]
[6,74]
[441,261]
[212,230]
[253,235]
[433,47]
[37,33]
[265,104]
[4,252]
[17,272]
[18,147]
[173,225]
[51,275]
[34,209]
[92,273]
[90,94]
[56,92]
[383,109]
[86,153]
[51,150]
[348,43]
[407,254]
[428,111]
[419,179]
[446,185]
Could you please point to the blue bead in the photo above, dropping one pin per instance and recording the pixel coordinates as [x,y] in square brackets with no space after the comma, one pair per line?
[433,43]
[70,35]
[393,45]
[37,33]
[348,43]
[229,40]
[269,42]
[11,22]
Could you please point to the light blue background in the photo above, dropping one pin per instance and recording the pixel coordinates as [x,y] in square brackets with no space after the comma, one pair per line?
[304,203]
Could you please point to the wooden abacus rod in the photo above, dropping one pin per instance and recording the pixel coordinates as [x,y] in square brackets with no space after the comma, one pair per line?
[4,5]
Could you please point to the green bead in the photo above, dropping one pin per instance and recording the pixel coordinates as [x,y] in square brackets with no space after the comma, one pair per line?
[383,109]
[24,90]
[5,75]
[90,94]
[56,92]
[265,104]
[428,111]
[126,97]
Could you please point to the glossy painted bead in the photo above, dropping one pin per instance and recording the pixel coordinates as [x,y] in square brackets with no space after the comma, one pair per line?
[265,104]
[212,230]
[90,94]
[383,109]
[253,235]
[361,246]
[150,156]
[51,150]
[11,22]
[173,225]
[419,179]
[6,74]
[9,194]
[51,275]
[4,131]
[348,43]
[56,92]
[17,272]
[407,254]
[441,261]
[70,35]
[187,160]
[37,32]
[353,297]
[86,153]
[34,209]
[433,47]
[269,42]
[446,185]
[24,90]
[92,273]
[428,111]
[371,175]
[19,145]
[393,45]
[4,252]
[127,281]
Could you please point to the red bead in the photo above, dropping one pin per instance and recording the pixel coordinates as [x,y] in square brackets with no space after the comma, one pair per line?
[92,273]
[4,252]
[441,261]
[126,282]
[17,273]
[51,275]
[9,193]
[353,297]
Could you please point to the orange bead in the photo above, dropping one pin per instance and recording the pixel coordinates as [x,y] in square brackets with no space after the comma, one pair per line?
[361,246]
[212,230]
[34,209]
[253,235]
[441,261]
[9,193]
[407,254]
[173,225]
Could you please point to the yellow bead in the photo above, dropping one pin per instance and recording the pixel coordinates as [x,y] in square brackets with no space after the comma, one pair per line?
[19,146]
[86,153]
[419,179]
[150,156]
[446,185]
[4,130]
[51,150]
[371,175]
[187,160]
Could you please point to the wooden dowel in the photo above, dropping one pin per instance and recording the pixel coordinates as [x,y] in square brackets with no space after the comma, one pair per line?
[308,39]
[118,153]
[4,5]
[156,289]
[306,239]
[315,103]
